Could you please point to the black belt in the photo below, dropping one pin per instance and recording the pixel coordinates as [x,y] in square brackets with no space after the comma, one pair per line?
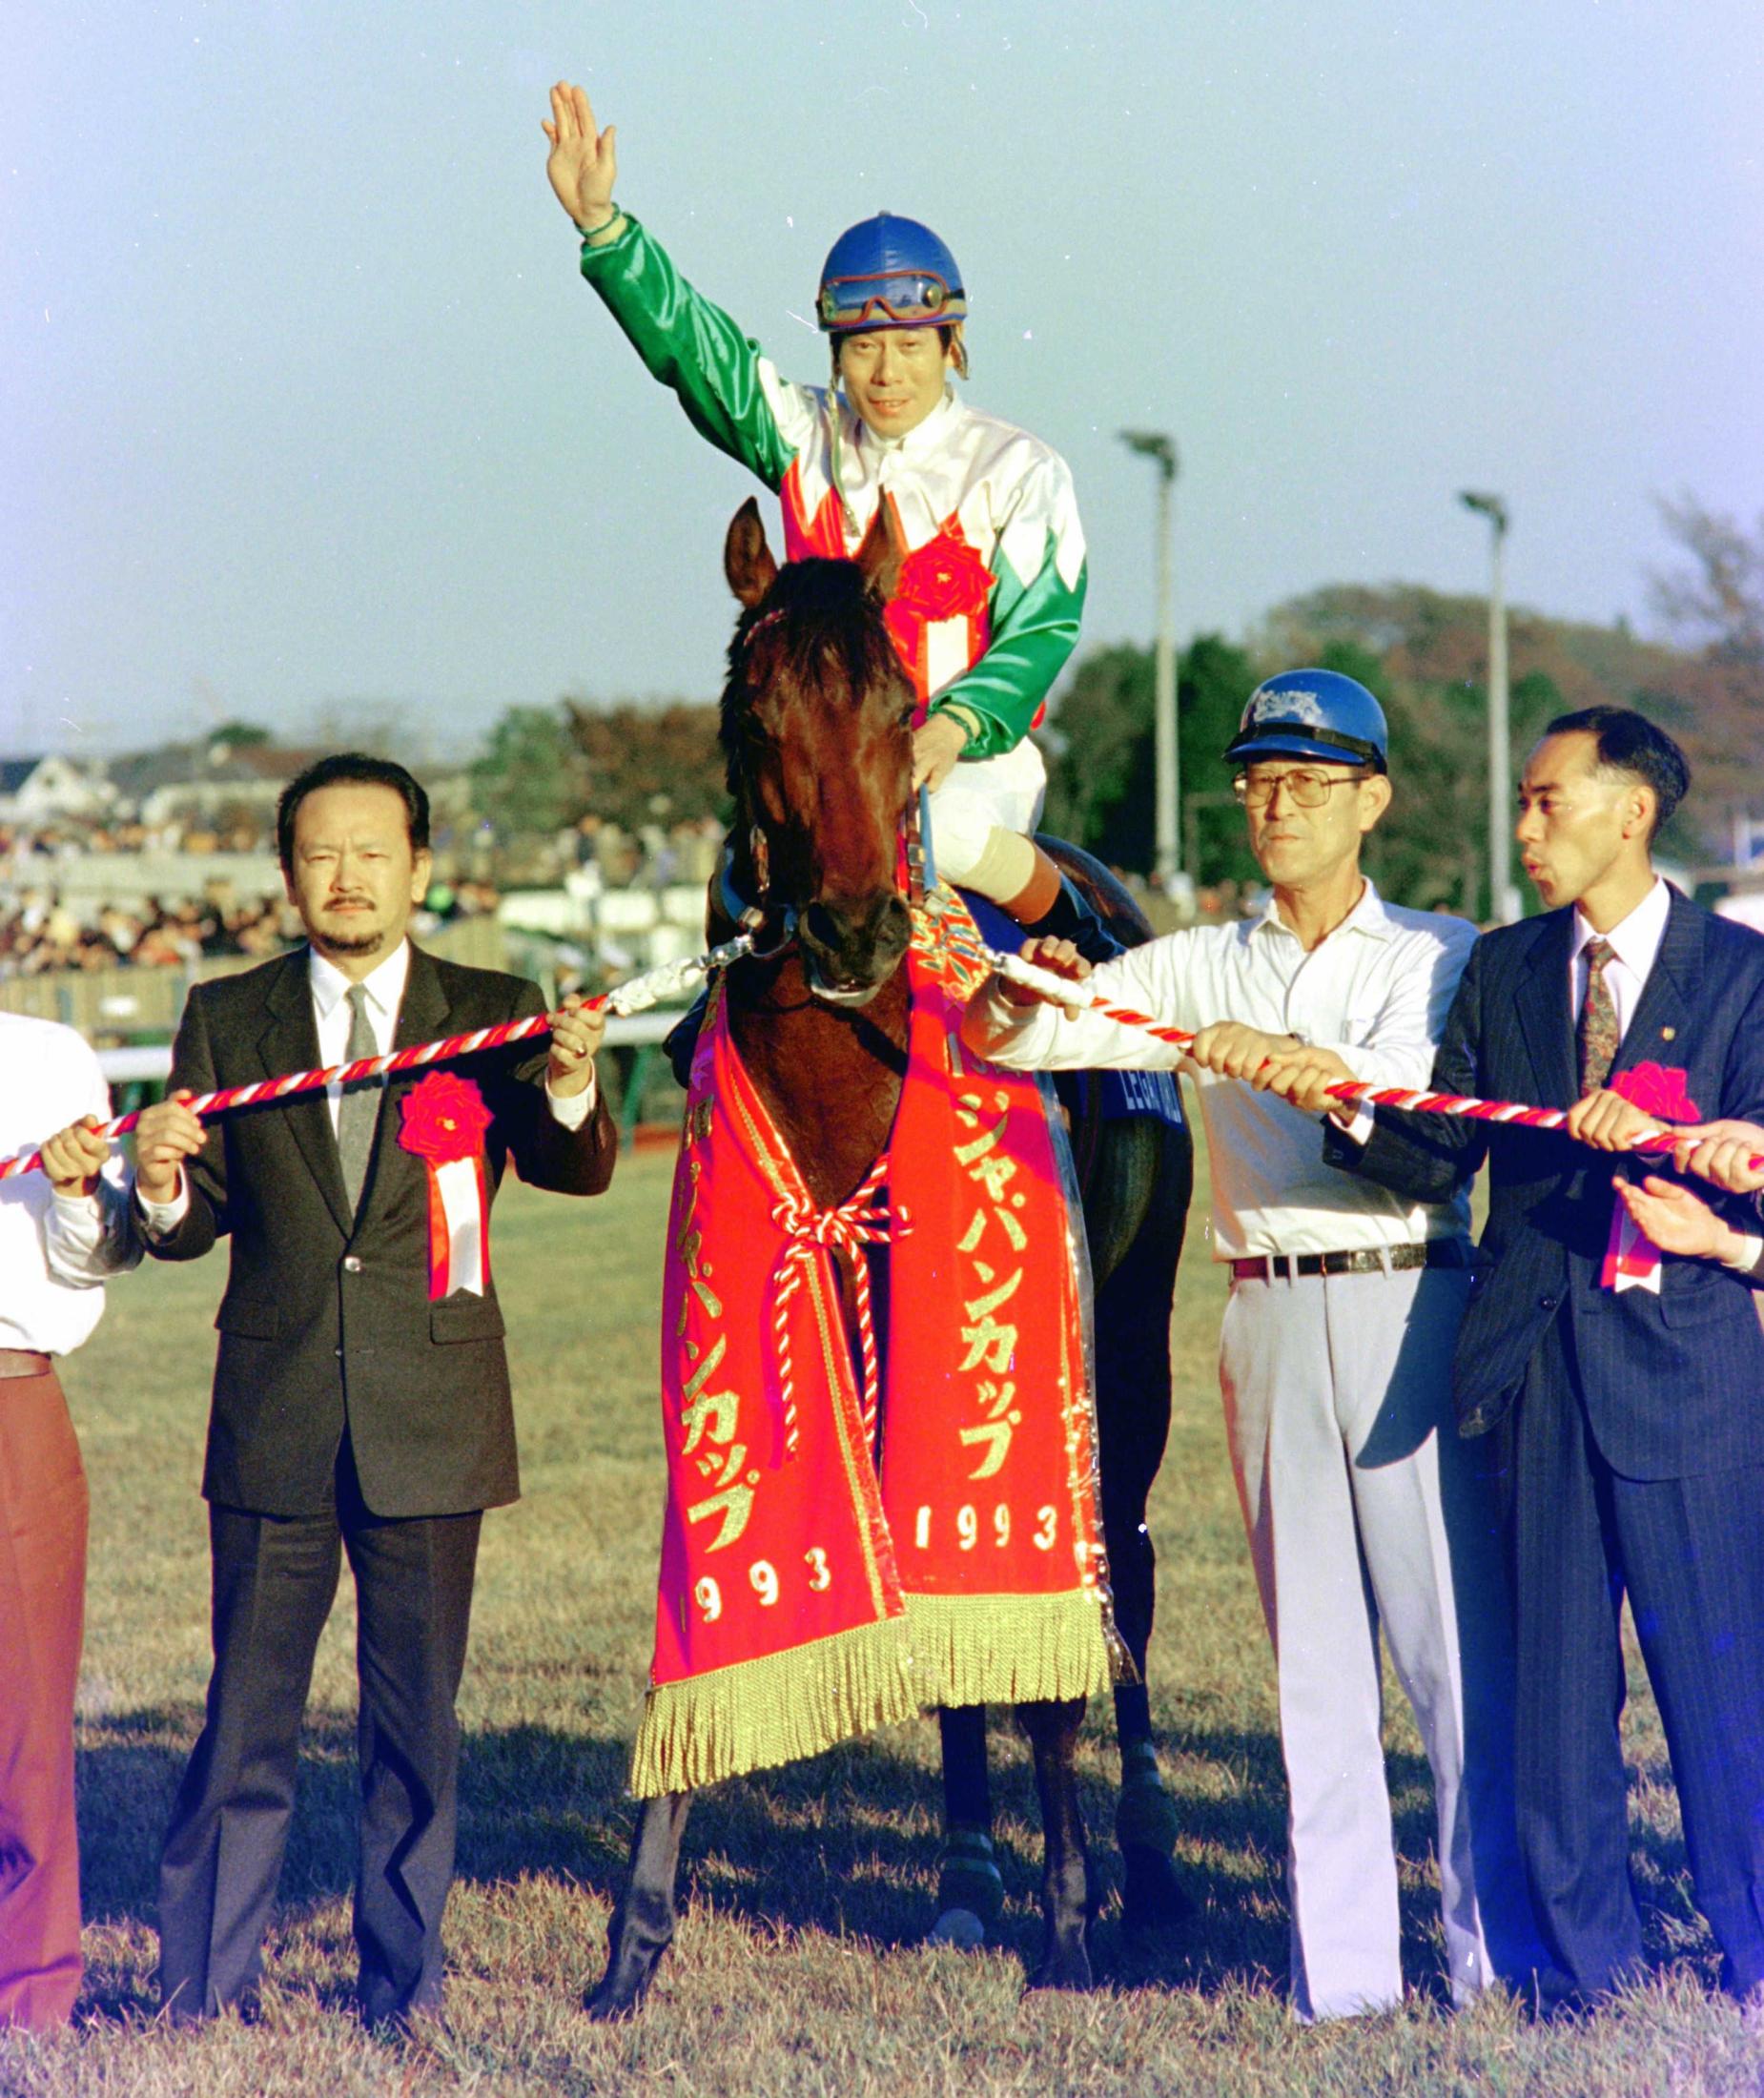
[1366,1260]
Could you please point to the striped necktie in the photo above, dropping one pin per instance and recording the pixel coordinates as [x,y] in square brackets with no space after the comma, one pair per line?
[1598,1033]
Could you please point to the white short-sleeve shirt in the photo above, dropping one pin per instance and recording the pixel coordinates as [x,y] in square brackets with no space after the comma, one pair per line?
[1376,991]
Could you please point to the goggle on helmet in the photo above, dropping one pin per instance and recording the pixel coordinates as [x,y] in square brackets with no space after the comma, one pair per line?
[889,273]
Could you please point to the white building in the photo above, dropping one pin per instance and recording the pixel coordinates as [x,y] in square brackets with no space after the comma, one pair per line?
[39,790]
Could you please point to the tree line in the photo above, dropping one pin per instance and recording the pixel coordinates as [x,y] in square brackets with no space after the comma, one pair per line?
[1422,652]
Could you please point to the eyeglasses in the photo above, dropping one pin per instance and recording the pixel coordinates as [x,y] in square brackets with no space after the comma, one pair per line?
[1305,789]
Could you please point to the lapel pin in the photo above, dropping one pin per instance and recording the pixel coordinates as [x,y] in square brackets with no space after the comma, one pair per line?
[1668,1034]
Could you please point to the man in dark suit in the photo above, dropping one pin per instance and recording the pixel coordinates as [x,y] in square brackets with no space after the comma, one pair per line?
[1630,1419]
[360,1403]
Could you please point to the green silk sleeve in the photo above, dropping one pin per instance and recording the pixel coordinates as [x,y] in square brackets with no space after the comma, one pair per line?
[730,393]
[1034,627]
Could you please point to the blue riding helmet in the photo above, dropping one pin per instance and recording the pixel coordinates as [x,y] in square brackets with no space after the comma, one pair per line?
[889,273]
[1312,713]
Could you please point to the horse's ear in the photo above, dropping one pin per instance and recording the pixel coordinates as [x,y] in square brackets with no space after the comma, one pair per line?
[884,549]
[747,559]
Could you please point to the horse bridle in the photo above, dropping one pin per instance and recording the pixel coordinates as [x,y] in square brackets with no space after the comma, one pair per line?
[751,918]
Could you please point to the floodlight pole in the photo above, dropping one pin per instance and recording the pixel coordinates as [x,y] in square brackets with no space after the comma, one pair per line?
[1161,448]
[1503,906]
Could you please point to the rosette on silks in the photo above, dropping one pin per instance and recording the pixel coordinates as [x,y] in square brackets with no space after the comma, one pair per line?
[937,616]
[443,1123]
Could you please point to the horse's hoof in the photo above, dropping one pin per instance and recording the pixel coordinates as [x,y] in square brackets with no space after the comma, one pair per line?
[622,1990]
[619,1996]
[960,1928]
[1145,1816]
[969,1883]
[631,1967]
[1065,1965]
[609,2005]
[1153,1899]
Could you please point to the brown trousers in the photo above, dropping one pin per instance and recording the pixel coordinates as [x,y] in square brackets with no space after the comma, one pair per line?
[42,1615]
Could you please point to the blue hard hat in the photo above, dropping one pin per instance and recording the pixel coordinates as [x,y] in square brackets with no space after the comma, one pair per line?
[1313,713]
[889,273]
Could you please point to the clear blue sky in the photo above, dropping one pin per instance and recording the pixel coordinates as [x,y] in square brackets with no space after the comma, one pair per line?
[306,408]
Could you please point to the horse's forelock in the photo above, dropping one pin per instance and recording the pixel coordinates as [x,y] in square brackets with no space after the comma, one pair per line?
[814,608]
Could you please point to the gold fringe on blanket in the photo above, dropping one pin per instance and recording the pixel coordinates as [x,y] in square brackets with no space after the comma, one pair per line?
[1011,1649]
[774,1710]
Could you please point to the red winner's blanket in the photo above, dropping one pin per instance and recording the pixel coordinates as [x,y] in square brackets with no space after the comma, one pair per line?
[806,1596]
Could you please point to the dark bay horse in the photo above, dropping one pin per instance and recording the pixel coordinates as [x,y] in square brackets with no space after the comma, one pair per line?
[817,732]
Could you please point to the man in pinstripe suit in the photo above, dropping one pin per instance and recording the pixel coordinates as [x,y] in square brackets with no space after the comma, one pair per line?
[1628,1414]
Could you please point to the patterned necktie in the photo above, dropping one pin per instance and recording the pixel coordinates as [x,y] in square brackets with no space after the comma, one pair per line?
[358,1112]
[1598,1033]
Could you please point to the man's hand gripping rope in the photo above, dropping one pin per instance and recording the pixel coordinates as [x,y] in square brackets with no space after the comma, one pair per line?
[1316,1080]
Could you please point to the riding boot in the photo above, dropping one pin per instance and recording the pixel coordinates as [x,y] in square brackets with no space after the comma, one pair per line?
[1070,918]
[681,1040]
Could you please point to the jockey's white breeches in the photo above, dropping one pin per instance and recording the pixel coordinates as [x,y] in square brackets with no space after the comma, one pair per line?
[989,794]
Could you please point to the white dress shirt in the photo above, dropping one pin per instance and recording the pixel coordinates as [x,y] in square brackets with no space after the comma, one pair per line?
[55,1250]
[384,986]
[1634,944]
[1376,991]
[331,1010]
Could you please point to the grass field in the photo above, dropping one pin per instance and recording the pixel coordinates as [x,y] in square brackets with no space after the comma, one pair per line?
[799,1966]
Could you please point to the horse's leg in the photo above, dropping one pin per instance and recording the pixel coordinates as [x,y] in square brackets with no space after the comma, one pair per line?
[1132,1421]
[970,1891]
[643,1924]
[1053,1731]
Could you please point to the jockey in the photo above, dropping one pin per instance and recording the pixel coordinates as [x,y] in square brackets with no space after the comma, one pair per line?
[986,611]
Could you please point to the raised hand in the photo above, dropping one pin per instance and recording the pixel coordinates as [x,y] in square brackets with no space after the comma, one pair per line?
[584,162]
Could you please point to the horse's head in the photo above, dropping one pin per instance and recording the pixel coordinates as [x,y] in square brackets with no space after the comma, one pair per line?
[817,730]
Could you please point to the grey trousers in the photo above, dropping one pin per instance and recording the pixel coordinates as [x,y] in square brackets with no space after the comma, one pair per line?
[1363,1508]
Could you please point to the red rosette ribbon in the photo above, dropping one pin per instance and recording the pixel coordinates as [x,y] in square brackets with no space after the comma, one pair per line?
[1656,1089]
[443,1122]
[1631,1258]
[943,580]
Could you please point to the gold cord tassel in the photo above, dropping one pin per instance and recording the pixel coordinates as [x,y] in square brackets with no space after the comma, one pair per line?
[779,1709]
[1008,1649]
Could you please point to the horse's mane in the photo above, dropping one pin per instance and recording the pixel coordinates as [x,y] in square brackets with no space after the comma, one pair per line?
[815,610]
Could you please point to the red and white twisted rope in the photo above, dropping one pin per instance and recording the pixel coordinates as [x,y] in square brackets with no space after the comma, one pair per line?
[634,997]
[1073,995]
[860,1221]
